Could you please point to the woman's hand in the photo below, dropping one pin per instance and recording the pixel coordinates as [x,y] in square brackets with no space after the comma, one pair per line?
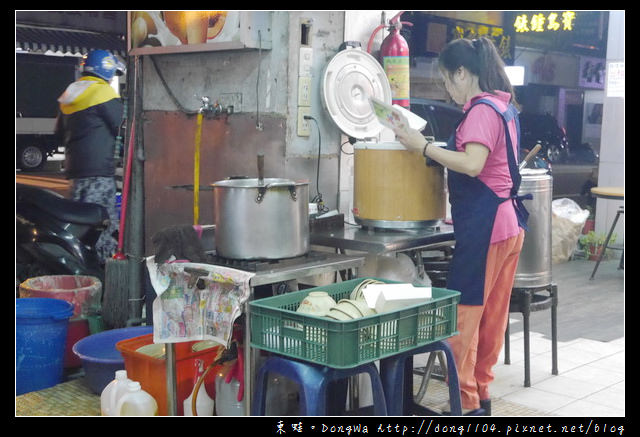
[470,161]
[412,139]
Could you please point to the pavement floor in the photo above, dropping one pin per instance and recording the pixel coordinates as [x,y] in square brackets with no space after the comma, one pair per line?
[591,352]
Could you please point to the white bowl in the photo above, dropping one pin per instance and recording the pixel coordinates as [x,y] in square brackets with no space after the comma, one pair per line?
[317,303]
[346,307]
[361,306]
[336,314]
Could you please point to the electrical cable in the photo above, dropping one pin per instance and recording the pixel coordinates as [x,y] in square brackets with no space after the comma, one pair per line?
[166,87]
[258,125]
[342,150]
[318,198]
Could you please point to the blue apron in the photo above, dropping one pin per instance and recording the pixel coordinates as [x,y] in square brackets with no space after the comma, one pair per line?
[473,210]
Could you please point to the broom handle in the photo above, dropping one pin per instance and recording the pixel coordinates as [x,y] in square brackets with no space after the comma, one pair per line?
[125,188]
[127,175]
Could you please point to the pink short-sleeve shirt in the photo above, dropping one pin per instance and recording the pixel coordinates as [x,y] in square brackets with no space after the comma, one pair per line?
[483,125]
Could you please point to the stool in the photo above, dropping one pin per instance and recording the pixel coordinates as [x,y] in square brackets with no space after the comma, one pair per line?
[606,242]
[526,301]
[397,381]
[314,382]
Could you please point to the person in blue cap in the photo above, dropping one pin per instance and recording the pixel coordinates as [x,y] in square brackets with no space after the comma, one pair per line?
[91,113]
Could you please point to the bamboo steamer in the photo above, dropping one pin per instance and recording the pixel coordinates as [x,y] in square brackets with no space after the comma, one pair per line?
[393,188]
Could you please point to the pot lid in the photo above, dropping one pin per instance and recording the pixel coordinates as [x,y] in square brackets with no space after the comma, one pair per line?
[349,79]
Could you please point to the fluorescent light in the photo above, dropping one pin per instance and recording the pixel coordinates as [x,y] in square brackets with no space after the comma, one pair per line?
[515,74]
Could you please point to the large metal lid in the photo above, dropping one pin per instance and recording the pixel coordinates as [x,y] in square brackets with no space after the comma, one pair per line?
[349,79]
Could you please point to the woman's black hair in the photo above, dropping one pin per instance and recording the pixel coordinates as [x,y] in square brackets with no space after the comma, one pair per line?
[481,58]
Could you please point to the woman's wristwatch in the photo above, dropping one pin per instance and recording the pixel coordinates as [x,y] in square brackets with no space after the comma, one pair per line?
[428,161]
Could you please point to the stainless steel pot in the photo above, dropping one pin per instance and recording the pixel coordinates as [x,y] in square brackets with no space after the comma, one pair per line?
[261,218]
[534,266]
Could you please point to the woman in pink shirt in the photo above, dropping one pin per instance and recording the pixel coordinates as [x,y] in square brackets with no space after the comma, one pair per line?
[488,216]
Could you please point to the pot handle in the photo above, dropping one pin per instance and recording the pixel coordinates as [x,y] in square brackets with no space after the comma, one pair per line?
[262,190]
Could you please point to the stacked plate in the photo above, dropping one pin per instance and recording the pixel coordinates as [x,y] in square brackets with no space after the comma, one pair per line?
[356,294]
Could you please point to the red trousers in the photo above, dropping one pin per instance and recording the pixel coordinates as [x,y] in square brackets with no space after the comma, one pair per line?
[477,347]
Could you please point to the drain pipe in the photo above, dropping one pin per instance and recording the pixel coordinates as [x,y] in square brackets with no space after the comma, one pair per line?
[135,232]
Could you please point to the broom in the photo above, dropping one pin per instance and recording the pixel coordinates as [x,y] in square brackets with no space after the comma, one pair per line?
[116,297]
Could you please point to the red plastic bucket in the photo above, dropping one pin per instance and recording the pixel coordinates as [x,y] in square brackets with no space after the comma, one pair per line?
[83,292]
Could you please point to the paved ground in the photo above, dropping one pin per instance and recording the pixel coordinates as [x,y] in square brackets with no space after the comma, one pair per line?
[591,352]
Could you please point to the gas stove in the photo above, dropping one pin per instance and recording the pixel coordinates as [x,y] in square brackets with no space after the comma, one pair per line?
[269,271]
[264,265]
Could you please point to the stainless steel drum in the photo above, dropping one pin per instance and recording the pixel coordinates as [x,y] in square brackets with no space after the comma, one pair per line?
[534,266]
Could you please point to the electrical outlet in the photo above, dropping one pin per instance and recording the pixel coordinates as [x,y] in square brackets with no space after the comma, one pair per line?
[304,91]
[231,99]
[305,61]
[304,126]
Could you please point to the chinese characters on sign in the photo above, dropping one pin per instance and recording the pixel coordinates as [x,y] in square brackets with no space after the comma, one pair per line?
[539,22]
[495,34]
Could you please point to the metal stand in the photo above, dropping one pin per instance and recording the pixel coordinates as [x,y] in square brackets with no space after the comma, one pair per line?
[525,301]
[606,242]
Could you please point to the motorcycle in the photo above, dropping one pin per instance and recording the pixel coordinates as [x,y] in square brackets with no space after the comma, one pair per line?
[544,130]
[56,236]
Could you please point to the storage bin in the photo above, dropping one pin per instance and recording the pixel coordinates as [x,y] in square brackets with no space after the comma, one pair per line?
[150,372]
[41,332]
[277,327]
[99,357]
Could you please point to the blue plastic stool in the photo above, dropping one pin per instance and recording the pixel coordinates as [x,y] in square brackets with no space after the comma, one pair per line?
[314,381]
[396,373]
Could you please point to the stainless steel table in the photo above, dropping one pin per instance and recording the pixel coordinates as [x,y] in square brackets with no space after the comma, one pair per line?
[383,240]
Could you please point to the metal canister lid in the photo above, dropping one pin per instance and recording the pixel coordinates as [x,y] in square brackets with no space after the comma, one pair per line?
[349,79]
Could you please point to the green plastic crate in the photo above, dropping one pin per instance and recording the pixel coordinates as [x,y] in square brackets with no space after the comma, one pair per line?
[276,327]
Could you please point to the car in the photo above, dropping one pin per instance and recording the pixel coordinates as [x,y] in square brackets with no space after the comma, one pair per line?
[35,141]
[441,117]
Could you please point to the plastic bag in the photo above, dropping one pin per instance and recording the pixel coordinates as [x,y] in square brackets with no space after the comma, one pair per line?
[567,221]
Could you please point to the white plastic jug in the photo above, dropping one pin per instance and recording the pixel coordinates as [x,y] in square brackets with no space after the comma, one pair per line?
[227,398]
[204,403]
[136,402]
[112,392]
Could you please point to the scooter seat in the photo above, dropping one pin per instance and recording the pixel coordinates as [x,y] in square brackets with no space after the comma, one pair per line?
[67,210]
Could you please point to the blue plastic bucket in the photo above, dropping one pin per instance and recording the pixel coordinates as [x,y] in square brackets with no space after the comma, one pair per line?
[99,356]
[41,333]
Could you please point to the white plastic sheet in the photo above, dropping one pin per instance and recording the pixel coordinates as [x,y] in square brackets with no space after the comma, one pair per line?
[567,221]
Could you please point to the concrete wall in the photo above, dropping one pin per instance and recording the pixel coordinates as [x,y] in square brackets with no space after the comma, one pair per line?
[611,170]
[266,82]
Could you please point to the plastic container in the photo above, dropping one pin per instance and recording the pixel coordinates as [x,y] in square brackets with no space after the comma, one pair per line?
[227,403]
[136,402]
[112,393]
[204,403]
[41,332]
[99,356]
[151,372]
[276,327]
[83,292]
[78,329]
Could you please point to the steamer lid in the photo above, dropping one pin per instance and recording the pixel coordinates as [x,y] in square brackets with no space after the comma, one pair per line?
[349,79]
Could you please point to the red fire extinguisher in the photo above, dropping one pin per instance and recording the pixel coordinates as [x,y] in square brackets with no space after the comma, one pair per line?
[394,57]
